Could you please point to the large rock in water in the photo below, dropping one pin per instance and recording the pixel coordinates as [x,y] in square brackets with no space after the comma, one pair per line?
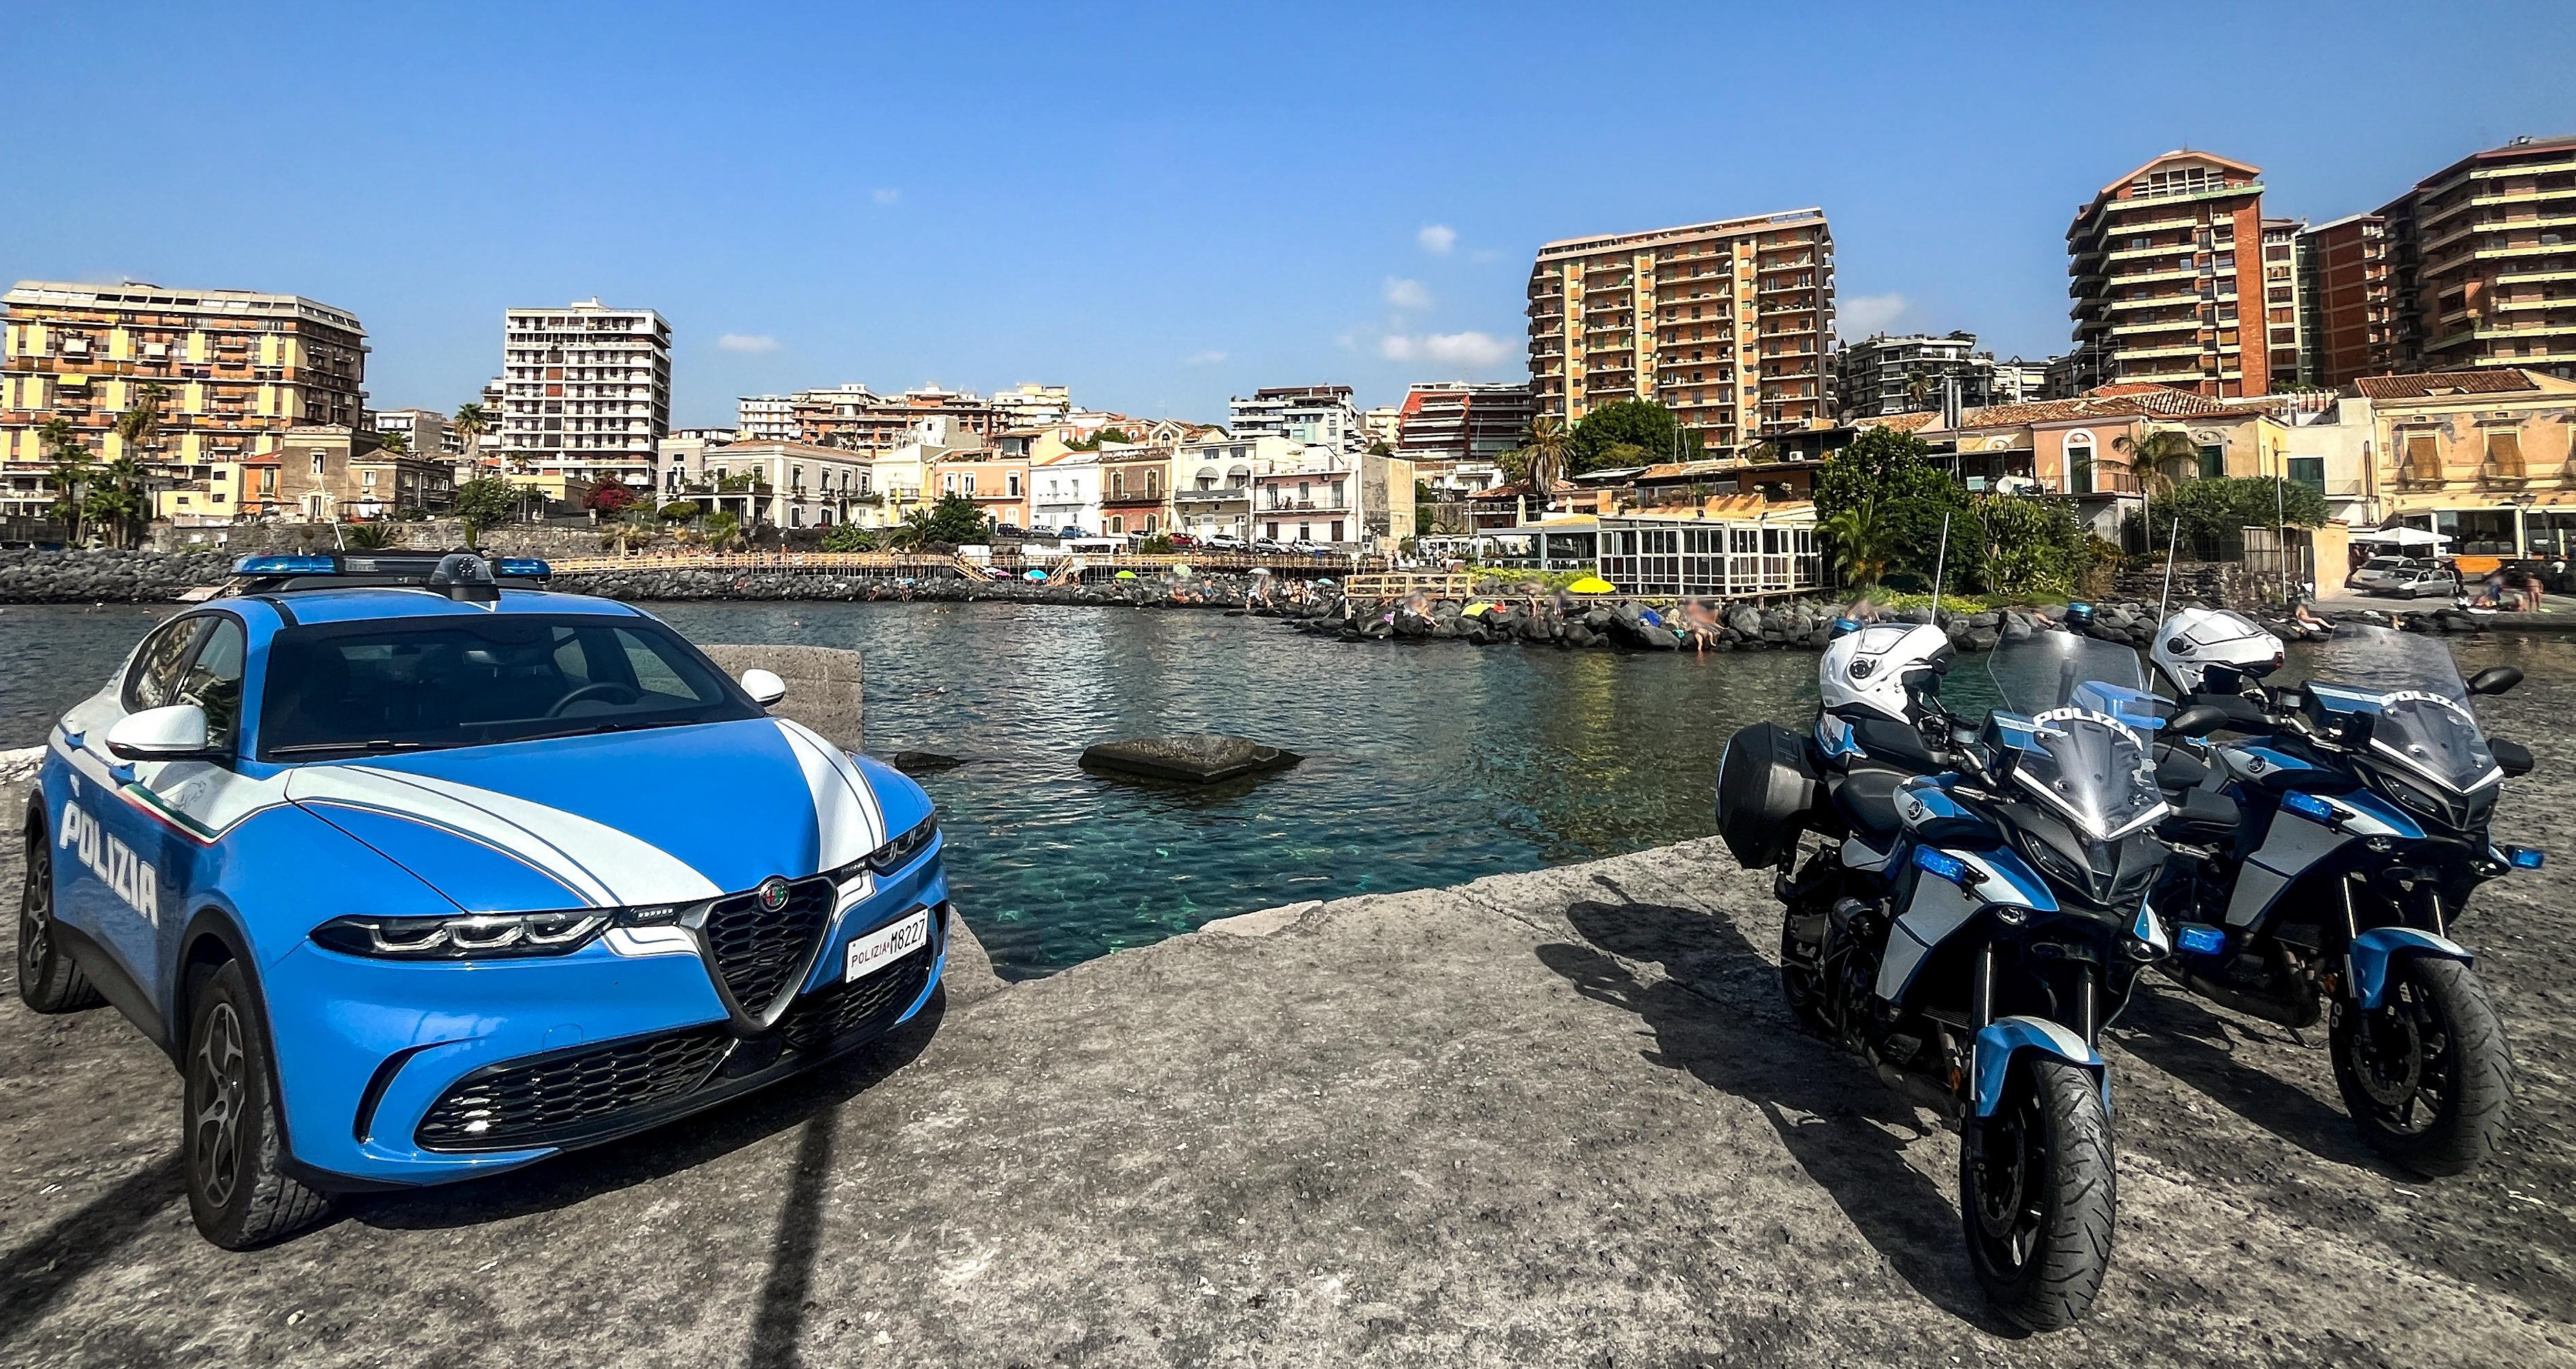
[1201,758]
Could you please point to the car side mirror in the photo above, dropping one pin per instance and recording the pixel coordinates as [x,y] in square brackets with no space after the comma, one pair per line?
[170,733]
[2199,720]
[764,687]
[2495,679]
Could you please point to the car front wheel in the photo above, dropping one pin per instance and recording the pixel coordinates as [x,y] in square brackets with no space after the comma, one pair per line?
[237,1189]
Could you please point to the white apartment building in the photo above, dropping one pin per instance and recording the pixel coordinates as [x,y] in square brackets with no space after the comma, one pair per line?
[587,390]
[1032,406]
[1212,481]
[765,418]
[426,431]
[1065,493]
[777,484]
[1305,414]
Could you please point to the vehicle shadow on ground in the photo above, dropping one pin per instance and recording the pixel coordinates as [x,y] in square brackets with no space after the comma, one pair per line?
[2180,1037]
[1729,1030]
[565,1180]
[36,1272]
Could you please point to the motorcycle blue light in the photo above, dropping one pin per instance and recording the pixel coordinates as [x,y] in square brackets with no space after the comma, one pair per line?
[284,565]
[2525,857]
[2196,938]
[2311,807]
[1945,865]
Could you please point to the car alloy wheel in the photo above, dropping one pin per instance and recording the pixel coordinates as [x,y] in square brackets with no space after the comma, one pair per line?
[218,1095]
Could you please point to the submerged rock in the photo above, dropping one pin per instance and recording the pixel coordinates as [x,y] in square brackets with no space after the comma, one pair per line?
[924,762]
[1200,758]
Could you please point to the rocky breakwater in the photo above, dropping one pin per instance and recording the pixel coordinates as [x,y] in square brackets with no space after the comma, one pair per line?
[107,577]
[649,583]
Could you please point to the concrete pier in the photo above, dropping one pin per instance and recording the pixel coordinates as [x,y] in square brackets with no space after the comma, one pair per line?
[1548,1118]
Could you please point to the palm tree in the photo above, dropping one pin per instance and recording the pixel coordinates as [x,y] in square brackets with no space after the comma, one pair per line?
[912,534]
[626,534]
[2160,458]
[70,474]
[1863,542]
[470,424]
[722,531]
[1542,458]
[1918,390]
[116,498]
[396,443]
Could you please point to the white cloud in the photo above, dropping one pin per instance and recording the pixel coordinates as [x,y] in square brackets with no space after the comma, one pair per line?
[748,342]
[1407,294]
[1471,349]
[1862,315]
[885,196]
[1437,238]
[1207,358]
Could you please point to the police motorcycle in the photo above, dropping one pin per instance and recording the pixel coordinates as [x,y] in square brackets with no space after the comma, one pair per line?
[1970,934]
[2320,866]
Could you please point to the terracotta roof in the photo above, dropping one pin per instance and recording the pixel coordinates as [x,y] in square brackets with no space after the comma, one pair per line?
[2465,382]
[1683,470]
[2125,401]
[1898,423]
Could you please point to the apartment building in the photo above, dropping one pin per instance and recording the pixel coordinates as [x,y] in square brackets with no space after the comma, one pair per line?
[1064,492]
[2162,262]
[855,417]
[2484,257]
[1135,490]
[2015,381]
[1212,480]
[232,367]
[765,418]
[1725,323]
[774,484]
[1303,414]
[586,391]
[1031,406]
[426,432]
[1459,421]
[323,473]
[2346,301]
[2285,316]
[1385,423]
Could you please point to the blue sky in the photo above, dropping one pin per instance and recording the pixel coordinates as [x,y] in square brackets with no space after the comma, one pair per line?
[1162,205]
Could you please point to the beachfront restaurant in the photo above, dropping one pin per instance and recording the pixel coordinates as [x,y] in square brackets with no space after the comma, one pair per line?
[2533,524]
[1717,555]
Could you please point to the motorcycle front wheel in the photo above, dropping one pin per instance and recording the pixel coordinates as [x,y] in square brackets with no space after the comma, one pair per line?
[2426,1074]
[2036,1194]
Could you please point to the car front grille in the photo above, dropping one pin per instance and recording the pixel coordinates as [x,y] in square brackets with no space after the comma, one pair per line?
[758,953]
[547,1100]
[842,1012]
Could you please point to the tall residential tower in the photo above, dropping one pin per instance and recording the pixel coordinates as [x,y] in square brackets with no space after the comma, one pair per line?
[587,389]
[2163,264]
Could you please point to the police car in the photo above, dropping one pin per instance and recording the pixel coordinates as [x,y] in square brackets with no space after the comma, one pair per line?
[420,871]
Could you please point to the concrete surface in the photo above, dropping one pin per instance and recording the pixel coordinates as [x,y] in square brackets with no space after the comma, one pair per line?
[1549,1118]
[824,684]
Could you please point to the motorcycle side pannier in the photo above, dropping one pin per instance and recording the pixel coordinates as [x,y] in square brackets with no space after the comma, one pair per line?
[1767,786]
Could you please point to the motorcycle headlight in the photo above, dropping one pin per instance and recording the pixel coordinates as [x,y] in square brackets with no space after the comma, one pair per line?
[2053,864]
[897,853]
[2414,797]
[473,936]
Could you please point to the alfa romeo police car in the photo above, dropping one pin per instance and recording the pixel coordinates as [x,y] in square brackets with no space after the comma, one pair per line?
[419,872]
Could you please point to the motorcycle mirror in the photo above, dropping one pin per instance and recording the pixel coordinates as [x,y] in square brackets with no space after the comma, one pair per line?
[2513,758]
[2495,679]
[2199,720]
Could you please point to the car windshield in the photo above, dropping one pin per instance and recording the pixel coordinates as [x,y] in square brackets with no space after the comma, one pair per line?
[2080,741]
[2419,705]
[336,690]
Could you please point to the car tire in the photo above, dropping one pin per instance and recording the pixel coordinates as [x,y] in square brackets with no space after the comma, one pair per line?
[49,981]
[230,1140]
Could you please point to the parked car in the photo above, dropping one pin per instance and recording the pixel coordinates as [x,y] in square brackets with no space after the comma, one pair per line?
[2379,571]
[1224,542]
[420,872]
[2418,582]
[1183,540]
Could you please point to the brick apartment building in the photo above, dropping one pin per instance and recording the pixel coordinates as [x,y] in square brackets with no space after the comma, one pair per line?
[2164,265]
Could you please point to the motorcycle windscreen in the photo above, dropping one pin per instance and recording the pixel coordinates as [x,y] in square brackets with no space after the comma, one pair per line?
[2054,670]
[2413,685]
[2090,769]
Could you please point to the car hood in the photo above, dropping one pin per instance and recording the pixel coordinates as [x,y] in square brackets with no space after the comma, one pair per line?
[657,816]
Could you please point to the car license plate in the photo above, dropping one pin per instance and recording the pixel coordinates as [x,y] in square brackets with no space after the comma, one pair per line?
[888,944]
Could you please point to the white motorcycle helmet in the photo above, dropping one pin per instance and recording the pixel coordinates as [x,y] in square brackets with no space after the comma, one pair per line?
[1880,667]
[2197,641]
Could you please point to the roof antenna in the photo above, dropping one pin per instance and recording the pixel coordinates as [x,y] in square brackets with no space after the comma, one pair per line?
[2172,545]
[1940,562]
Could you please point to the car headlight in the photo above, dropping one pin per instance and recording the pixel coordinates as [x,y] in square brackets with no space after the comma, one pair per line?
[476,936]
[898,852]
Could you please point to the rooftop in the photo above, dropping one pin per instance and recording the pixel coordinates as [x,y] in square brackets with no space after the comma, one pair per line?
[135,294]
[2433,384]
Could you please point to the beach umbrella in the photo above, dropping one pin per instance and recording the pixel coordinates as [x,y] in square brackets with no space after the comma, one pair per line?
[1033,575]
[1261,570]
[1478,609]
[1592,584]
[1126,575]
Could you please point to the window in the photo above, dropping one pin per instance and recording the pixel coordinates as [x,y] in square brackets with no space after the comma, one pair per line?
[213,681]
[2423,458]
[2079,467]
[317,463]
[2504,454]
[1011,486]
[970,484]
[153,680]
[2213,460]
[2309,471]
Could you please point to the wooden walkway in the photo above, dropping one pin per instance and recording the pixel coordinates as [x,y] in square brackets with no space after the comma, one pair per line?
[1009,566]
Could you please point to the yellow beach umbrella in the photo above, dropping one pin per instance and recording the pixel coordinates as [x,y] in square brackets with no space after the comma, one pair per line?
[1592,584]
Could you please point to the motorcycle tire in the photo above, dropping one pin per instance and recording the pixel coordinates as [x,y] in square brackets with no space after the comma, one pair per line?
[2426,1075]
[2036,1194]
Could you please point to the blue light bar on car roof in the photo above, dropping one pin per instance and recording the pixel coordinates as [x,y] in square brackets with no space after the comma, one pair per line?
[285,565]
[521,566]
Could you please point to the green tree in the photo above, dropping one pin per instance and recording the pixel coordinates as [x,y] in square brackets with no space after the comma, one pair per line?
[2160,458]
[1640,423]
[470,424]
[483,503]
[69,476]
[116,500]
[1541,457]
[1112,435]
[912,534]
[1895,470]
[2031,547]
[849,537]
[394,442]
[721,531]
[624,535]
[680,511]
[372,535]
[1862,540]
[2215,513]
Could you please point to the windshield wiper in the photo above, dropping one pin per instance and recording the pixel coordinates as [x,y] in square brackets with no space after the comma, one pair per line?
[628,727]
[379,744]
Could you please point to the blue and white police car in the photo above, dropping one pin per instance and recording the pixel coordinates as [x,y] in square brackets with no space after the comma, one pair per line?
[420,871]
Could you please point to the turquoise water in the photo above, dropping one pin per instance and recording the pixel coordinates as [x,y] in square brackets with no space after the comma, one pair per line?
[1427,765]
